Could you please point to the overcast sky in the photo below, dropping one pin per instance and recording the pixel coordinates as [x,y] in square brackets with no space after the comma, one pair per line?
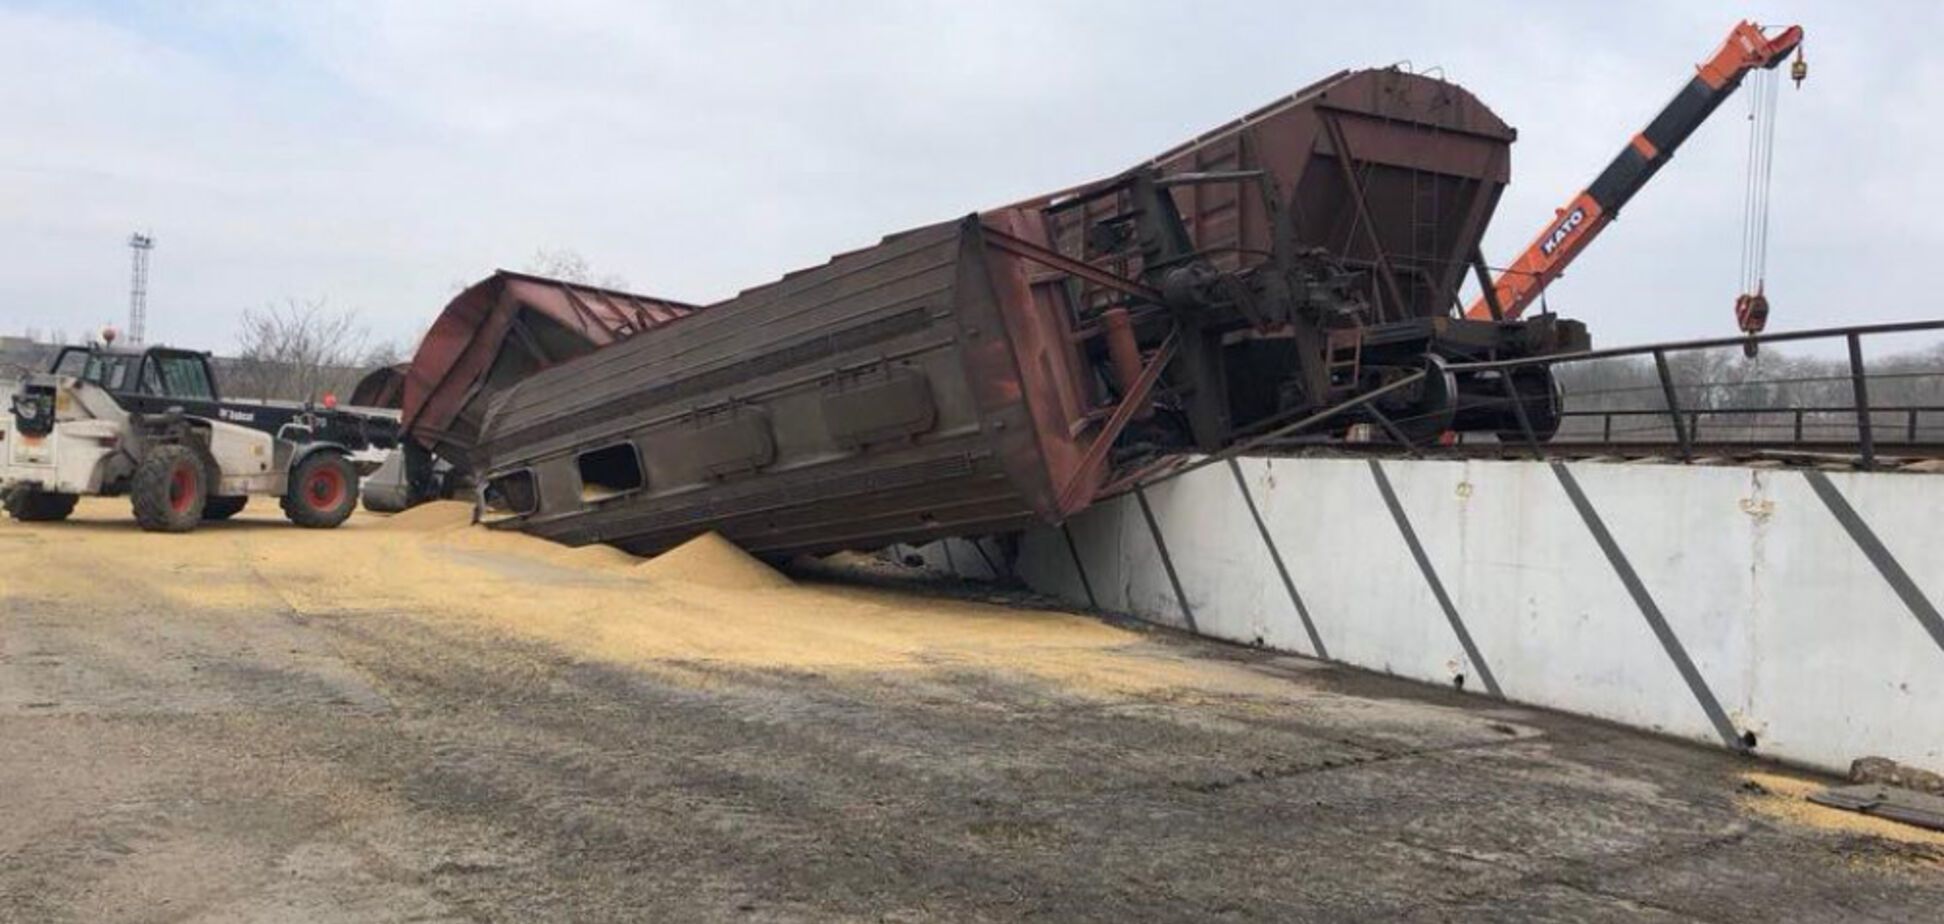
[380,155]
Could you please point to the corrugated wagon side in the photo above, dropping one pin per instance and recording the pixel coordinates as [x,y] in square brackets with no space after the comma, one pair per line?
[878,397]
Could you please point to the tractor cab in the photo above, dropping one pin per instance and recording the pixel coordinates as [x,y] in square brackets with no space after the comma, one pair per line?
[155,375]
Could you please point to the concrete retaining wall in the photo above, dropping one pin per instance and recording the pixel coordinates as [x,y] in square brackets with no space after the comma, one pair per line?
[1788,609]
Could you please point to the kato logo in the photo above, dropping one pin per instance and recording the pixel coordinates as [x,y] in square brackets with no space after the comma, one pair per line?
[1559,232]
[236,416]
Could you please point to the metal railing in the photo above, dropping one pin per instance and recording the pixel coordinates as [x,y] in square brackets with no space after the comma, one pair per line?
[1684,418]
[1681,419]
[1908,420]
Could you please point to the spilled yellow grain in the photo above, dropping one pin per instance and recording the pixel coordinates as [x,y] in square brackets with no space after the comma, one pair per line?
[706,602]
[709,560]
[1786,798]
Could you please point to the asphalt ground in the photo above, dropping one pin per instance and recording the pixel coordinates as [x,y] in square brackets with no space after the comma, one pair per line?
[416,722]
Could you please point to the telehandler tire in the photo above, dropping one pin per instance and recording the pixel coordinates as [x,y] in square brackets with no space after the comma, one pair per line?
[170,489]
[323,491]
[30,506]
[222,508]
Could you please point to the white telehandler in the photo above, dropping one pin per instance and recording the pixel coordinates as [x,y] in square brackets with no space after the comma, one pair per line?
[150,425]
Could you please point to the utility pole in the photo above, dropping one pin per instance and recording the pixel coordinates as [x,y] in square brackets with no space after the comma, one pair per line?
[139,244]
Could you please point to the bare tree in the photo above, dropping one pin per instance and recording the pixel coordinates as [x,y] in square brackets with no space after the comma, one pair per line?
[297,351]
[559,263]
[567,264]
[383,353]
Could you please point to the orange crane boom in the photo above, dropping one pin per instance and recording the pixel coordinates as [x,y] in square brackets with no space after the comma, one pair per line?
[1575,226]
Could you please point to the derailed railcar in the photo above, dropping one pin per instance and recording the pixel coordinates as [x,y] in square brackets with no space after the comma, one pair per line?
[1008,368]
[500,330]
[881,395]
[492,335]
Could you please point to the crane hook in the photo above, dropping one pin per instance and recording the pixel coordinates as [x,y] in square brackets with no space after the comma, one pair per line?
[1799,69]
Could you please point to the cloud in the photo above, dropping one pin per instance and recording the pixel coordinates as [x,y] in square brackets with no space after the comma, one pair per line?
[374,154]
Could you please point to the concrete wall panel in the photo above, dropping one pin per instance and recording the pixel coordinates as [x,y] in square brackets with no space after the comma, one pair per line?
[1756,612]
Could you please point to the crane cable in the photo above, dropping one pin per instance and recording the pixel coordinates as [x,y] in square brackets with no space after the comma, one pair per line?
[1751,306]
[1761,170]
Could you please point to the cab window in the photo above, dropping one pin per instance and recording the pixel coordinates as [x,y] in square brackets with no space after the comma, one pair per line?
[110,371]
[71,362]
[152,380]
[177,377]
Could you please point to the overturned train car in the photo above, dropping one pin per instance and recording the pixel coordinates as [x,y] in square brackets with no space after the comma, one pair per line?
[1010,367]
[491,336]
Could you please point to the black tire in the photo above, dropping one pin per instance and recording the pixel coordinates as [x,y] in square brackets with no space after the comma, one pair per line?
[31,506]
[222,508]
[170,490]
[323,491]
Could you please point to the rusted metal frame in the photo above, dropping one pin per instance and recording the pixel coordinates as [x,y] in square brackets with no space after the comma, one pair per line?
[435,433]
[1345,160]
[1069,286]
[636,313]
[1069,499]
[1139,476]
[582,312]
[1282,214]
[1264,185]
[1485,284]
[1138,313]
[1673,405]
[1864,438]
[650,314]
[523,335]
[1215,176]
[1278,433]
[1474,216]
[1080,268]
[1083,196]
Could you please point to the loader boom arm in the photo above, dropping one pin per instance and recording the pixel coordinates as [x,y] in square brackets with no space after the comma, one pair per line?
[1575,226]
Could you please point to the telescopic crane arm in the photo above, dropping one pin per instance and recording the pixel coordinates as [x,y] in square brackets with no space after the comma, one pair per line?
[1582,220]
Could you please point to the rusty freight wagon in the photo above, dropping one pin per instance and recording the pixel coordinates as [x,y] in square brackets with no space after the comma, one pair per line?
[491,336]
[1007,368]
